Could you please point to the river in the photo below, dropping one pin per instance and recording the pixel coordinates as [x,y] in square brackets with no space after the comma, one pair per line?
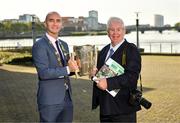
[151,41]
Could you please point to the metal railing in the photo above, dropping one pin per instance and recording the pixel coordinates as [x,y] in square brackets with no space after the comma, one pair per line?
[149,47]
[161,47]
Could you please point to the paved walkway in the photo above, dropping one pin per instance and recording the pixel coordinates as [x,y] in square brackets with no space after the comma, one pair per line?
[18,87]
[17,95]
[161,83]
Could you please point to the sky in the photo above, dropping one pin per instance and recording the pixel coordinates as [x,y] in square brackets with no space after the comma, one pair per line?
[125,9]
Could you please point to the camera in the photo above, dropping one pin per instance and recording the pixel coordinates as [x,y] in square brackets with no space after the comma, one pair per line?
[137,99]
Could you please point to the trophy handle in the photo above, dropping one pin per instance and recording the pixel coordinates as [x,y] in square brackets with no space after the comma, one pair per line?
[72,57]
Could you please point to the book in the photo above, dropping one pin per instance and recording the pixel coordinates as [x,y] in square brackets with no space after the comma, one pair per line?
[110,69]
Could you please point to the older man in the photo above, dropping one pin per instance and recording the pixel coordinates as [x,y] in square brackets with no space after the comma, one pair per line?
[117,109]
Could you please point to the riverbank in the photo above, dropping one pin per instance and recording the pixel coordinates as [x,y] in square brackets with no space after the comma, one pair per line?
[62,34]
[160,80]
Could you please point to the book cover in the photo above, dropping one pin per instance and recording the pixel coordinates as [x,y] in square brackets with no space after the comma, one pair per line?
[110,69]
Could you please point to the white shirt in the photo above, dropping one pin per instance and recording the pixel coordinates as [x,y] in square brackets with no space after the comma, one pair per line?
[53,40]
[114,48]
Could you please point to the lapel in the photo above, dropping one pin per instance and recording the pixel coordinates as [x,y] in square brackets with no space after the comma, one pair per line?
[51,47]
[104,53]
[119,51]
[116,53]
[117,56]
[64,49]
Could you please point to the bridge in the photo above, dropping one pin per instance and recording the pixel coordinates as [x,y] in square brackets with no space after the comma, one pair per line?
[143,28]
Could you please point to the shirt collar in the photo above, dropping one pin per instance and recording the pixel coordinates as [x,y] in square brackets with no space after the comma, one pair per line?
[52,39]
[117,46]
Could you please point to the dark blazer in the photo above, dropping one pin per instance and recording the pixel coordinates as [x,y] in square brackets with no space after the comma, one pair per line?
[119,104]
[51,89]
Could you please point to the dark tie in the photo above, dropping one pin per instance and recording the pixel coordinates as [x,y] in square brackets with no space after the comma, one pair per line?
[60,53]
[110,53]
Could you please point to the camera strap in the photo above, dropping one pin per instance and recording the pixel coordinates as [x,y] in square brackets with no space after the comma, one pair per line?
[124,63]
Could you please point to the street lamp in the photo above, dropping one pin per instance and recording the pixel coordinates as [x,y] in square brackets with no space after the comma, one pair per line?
[33,29]
[137,29]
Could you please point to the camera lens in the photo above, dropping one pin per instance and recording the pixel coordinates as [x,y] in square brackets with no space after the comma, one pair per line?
[145,103]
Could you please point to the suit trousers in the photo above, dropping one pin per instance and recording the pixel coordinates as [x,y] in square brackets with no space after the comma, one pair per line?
[124,118]
[57,113]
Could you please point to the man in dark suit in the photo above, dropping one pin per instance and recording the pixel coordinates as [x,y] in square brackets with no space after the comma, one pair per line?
[51,59]
[117,109]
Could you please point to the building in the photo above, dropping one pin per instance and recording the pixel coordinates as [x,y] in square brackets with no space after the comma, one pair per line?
[74,24]
[92,20]
[158,20]
[28,18]
[81,23]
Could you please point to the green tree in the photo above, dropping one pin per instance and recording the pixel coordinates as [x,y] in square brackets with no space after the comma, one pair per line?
[1,27]
[19,27]
[40,26]
[177,26]
[7,27]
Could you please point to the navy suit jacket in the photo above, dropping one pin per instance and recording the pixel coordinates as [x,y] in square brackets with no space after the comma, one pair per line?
[51,89]
[119,104]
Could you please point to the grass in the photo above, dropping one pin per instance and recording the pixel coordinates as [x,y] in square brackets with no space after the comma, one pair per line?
[160,80]
[8,56]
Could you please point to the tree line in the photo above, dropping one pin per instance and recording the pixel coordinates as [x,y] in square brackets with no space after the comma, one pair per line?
[19,28]
[177,24]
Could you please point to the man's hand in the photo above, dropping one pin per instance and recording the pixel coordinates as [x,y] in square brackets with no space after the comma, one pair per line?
[93,71]
[72,64]
[102,84]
